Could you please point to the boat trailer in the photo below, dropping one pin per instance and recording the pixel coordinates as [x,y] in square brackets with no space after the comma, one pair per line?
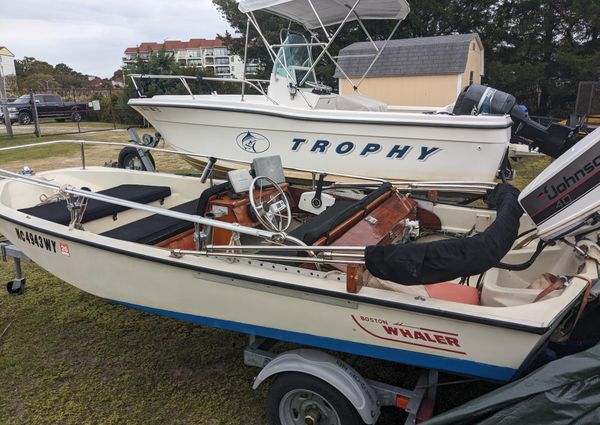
[16,286]
[303,369]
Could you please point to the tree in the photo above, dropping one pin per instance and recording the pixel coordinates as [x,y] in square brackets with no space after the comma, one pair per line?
[69,78]
[546,49]
[29,70]
[117,75]
[39,81]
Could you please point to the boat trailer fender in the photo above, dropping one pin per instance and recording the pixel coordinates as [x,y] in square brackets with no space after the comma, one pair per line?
[334,371]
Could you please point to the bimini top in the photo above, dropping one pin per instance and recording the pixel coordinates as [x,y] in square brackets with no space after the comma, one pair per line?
[330,11]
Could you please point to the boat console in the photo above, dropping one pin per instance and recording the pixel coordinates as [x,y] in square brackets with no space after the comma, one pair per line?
[262,198]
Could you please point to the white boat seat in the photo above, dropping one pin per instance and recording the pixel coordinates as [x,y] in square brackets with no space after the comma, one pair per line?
[57,212]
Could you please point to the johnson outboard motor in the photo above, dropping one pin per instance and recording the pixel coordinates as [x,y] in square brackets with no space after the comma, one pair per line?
[552,140]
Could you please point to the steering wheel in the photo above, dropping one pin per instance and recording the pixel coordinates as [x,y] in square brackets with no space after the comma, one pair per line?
[272,209]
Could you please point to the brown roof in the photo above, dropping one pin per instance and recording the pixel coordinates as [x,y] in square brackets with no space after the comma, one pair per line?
[203,42]
[170,45]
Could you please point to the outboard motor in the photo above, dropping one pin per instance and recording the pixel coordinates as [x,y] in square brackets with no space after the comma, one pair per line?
[552,140]
[565,197]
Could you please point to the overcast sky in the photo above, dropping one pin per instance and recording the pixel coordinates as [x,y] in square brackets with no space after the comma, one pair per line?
[91,35]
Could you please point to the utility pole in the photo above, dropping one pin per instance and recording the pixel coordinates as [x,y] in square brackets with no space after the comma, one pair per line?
[4,103]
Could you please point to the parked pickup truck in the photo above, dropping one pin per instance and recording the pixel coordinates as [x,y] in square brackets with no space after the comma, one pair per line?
[47,105]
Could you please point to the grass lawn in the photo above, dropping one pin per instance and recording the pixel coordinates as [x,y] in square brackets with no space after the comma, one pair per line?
[67,357]
[50,127]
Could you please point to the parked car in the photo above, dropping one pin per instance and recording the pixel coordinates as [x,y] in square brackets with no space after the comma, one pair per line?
[47,105]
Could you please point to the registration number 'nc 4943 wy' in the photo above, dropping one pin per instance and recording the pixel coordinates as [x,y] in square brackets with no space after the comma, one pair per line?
[42,242]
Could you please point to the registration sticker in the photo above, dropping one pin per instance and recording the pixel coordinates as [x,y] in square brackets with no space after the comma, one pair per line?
[64,249]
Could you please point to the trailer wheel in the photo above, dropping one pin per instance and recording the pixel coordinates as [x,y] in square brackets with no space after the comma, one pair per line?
[76,116]
[25,118]
[129,158]
[298,398]
[16,287]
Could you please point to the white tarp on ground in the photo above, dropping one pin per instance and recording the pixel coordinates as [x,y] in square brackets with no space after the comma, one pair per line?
[330,11]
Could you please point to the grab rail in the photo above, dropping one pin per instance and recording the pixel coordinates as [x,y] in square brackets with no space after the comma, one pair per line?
[182,78]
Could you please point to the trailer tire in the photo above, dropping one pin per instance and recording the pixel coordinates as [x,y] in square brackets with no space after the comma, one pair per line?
[25,118]
[19,289]
[129,158]
[294,396]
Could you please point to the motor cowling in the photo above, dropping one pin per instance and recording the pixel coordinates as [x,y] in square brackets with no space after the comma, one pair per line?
[477,99]
[552,140]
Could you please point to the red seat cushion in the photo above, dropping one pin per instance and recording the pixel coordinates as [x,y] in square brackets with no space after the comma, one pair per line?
[453,292]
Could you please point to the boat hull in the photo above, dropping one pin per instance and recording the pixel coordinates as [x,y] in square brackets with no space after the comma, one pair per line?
[390,146]
[232,296]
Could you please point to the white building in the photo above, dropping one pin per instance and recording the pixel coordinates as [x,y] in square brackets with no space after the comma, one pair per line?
[212,55]
[7,62]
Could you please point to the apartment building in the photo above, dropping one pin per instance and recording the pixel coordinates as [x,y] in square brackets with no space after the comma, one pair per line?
[212,55]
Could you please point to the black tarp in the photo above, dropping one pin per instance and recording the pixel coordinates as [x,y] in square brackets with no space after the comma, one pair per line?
[439,261]
[565,391]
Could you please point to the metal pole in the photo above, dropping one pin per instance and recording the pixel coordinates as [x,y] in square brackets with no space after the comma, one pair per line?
[276,58]
[3,103]
[266,248]
[178,253]
[329,43]
[378,54]
[592,91]
[82,148]
[136,86]
[36,120]
[112,110]
[245,57]
[75,100]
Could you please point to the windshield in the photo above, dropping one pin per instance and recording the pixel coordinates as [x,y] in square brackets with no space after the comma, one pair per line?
[22,99]
[297,59]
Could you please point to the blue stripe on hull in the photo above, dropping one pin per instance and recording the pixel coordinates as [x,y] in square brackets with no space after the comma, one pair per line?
[463,367]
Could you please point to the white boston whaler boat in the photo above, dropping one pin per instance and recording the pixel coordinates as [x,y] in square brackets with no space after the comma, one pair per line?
[305,123]
[253,254]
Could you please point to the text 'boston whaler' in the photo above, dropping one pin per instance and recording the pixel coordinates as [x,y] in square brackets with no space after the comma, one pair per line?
[250,254]
[301,120]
